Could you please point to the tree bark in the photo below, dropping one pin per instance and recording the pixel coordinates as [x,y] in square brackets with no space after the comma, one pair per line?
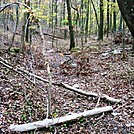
[107,18]
[127,10]
[114,18]
[72,42]
[101,21]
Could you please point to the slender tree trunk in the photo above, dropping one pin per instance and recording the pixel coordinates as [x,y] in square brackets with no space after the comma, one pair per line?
[81,17]
[81,23]
[55,10]
[101,21]
[64,14]
[52,22]
[96,16]
[110,22]
[123,42]
[27,22]
[107,18]
[120,25]
[87,20]
[72,42]
[90,18]
[16,25]
[23,38]
[114,19]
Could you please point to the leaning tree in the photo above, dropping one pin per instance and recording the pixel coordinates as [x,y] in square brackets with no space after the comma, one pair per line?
[127,11]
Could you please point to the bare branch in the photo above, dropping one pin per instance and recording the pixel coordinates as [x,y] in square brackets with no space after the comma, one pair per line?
[4,6]
[48,122]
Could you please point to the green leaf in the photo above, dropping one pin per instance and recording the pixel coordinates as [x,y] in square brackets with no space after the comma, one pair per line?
[64,22]
[64,125]
[15,50]
[24,117]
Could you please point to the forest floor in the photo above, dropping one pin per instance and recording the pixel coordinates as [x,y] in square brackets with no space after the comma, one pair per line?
[96,68]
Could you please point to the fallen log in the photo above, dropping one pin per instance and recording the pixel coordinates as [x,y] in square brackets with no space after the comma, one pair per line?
[55,121]
[66,86]
[102,96]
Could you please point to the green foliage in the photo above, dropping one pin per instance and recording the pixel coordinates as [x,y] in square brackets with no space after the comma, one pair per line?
[14,50]
[38,15]
[74,22]
[76,49]
[81,120]
[55,114]
[64,22]
[114,7]
[51,128]
[64,124]
[33,27]
[24,117]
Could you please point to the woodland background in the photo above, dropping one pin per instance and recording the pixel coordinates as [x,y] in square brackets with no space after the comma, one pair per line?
[63,58]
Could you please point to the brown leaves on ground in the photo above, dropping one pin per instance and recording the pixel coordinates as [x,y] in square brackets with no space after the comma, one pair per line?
[101,72]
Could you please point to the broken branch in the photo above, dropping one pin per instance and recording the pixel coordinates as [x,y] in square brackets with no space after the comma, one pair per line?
[66,86]
[48,122]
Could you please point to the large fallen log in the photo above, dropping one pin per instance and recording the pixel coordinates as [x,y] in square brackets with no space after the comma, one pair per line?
[49,122]
[66,86]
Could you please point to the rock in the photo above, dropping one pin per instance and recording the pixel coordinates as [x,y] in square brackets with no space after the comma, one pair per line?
[105,54]
[74,65]
[116,51]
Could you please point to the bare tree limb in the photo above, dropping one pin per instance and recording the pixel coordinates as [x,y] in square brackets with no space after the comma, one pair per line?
[4,6]
[102,96]
[48,122]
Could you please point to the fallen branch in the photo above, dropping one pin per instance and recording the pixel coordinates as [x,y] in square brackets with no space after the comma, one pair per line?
[48,122]
[102,96]
[59,37]
[66,86]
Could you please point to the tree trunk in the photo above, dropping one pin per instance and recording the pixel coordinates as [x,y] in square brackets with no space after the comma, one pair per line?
[107,18]
[127,11]
[114,19]
[72,43]
[87,20]
[56,12]
[101,21]
[120,26]
[64,17]
[27,22]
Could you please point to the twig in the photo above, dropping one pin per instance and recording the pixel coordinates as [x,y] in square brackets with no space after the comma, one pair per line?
[49,91]
[97,104]
[49,74]
[120,106]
